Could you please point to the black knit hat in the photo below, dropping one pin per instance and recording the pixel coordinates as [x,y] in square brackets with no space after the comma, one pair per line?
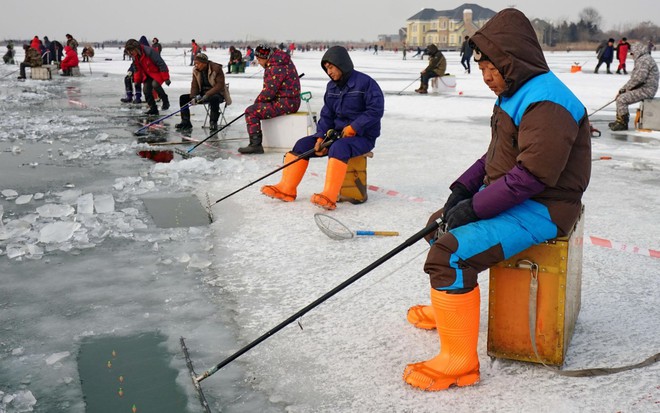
[262,51]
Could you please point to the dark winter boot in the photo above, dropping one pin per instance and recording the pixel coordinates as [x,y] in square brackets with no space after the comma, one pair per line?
[128,98]
[213,122]
[153,111]
[621,123]
[166,102]
[423,90]
[254,146]
[185,124]
[138,97]
[618,71]
[624,71]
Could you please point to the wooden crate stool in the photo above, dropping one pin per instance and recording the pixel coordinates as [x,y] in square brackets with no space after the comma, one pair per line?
[512,312]
[40,73]
[354,188]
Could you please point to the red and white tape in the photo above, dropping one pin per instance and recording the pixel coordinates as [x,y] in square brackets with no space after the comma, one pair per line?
[619,246]
[589,240]
[390,192]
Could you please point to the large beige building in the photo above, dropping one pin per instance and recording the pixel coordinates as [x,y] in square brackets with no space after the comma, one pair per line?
[446,28]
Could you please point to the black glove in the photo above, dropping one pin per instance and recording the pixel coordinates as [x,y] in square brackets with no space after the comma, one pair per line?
[458,193]
[168,82]
[461,214]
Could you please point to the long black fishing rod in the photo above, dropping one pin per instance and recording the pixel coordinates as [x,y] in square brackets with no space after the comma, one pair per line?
[330,137]
[602,107]
[410,241]
[411,83]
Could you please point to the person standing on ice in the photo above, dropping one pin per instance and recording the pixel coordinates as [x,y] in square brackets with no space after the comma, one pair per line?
[152,71]
[280,94]
[128,86]
[643,84]
[436,68]
[466,54]
[527,188]
[353,106]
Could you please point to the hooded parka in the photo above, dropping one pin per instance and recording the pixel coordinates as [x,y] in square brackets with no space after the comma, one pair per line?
[528,186]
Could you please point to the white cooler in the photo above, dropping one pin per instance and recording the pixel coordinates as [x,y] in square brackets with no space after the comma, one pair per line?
[284,131]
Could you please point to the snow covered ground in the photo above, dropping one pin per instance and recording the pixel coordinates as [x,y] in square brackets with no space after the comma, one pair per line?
[262,260]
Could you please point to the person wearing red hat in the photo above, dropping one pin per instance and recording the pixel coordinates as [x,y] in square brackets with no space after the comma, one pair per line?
[279,96]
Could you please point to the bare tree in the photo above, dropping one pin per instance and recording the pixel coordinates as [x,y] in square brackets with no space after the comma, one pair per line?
[591,17]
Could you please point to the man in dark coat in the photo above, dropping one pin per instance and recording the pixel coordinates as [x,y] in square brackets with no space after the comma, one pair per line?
[207,86]
[353,107]
[436,67]
[605,54]
[466,54]
[527,188]
[32,59]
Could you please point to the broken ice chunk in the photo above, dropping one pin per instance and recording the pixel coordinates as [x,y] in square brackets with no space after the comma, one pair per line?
[9,194]
[23,199]
[104,203]
[54,358]
[57,232]
[54,210]
[85,204]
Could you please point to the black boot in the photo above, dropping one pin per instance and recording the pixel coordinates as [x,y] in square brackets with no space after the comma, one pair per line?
[213,122]
[166,102]
[185,124]
[621,123]
[128,98]
[153,110]
[254,146]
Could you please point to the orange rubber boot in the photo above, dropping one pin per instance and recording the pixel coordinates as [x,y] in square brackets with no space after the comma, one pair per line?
[422,316]
[457,321]
[286,190]
[334,179]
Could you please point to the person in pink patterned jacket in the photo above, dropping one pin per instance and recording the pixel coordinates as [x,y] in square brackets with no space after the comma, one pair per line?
[279,96]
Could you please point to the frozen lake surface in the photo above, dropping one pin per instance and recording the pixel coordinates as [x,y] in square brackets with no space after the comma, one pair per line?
[81,257]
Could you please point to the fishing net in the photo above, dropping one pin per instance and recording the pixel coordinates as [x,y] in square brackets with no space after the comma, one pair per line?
[332,227]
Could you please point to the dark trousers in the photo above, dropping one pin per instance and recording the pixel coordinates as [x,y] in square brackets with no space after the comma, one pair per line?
[465,61]
[149,86]
[607,64]
[23,66]
[428,76]
[128,85]
[213,101]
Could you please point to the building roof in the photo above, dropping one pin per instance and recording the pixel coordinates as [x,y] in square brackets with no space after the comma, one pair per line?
[478,13]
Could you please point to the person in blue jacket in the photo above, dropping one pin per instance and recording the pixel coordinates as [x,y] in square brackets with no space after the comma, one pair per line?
[605,55]
[353,108]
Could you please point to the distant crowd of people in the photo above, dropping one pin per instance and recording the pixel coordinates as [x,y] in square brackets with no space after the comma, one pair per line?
[46,52]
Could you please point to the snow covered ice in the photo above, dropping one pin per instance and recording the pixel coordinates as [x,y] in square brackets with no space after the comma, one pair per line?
[85,258]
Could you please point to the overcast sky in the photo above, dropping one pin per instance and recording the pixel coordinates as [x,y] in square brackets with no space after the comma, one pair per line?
[273,20]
